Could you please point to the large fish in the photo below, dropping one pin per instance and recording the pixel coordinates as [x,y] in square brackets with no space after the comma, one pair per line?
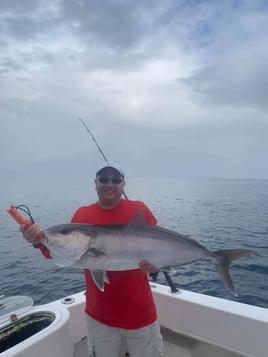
[101,248]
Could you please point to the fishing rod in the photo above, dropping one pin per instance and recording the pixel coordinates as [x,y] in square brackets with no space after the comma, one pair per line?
[95,141]
[98,146]
[152,275]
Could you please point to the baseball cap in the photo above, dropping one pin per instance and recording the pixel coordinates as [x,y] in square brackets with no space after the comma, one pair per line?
[113,165]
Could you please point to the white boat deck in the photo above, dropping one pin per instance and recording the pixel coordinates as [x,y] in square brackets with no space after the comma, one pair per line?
[192,325]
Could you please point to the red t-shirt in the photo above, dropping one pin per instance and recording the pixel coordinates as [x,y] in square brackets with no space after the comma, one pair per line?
[126,302]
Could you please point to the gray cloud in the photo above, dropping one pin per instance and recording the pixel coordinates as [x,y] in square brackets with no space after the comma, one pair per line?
[115,24]
[173,89]
[240,80]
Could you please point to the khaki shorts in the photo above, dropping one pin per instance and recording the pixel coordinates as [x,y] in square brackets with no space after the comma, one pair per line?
[109,341]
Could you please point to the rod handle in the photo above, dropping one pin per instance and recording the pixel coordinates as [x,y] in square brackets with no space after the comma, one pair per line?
[13,212]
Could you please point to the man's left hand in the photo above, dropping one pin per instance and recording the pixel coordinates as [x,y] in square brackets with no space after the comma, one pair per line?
[147,267]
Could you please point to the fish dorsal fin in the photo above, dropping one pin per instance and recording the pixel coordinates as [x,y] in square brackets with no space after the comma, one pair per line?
[100,277]
[138,220]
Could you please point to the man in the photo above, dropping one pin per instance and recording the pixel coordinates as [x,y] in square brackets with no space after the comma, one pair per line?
[126,308]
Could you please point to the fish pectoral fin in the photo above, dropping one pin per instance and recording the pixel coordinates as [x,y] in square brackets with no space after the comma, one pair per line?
[95,252]
[100,277]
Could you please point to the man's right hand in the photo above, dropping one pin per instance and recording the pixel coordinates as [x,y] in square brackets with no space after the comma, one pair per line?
[31,233]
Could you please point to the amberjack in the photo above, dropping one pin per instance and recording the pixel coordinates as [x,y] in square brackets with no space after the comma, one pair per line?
[102,248]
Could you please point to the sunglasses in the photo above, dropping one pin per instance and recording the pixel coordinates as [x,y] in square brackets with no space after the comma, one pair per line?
[115,180]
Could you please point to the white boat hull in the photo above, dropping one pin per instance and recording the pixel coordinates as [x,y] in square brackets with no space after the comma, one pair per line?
[192,325]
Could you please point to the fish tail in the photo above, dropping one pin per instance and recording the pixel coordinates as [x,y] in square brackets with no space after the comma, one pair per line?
[223,258]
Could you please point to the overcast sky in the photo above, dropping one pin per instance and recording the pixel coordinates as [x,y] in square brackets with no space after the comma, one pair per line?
[168,88]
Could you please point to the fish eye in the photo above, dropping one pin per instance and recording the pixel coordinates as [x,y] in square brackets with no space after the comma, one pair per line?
[65,230]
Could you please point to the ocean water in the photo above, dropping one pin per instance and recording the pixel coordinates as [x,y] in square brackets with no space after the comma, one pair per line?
[220,214]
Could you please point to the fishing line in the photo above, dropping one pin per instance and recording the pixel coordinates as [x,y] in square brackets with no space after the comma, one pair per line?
[26,210]
[98,146]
